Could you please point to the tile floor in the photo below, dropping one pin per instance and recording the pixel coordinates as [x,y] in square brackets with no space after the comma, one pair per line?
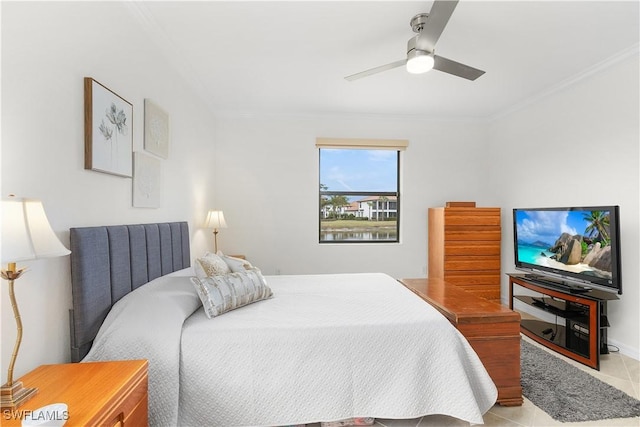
[615,369]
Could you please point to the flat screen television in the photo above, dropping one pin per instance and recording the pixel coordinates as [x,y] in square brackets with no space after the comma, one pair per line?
[576,247]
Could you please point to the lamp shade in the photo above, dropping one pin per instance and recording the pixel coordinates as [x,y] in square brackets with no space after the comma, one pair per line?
[215,220]
[419,61]
[26,233]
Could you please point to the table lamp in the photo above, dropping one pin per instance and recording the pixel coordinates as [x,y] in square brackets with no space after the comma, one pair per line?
[26,235]
[215,220]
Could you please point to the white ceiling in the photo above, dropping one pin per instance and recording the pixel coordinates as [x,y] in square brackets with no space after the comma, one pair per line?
[291,57]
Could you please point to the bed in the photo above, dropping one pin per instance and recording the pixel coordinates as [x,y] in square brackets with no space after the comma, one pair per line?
[325,347]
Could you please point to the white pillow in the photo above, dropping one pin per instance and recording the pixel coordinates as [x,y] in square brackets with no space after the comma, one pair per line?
[225,292]
[237,264]
[210,265]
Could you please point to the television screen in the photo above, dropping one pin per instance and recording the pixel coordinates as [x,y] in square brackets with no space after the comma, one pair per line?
[579,245]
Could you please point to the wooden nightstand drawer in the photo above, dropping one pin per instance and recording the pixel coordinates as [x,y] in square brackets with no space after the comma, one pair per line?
[139,416]
[97,393]
[130,406]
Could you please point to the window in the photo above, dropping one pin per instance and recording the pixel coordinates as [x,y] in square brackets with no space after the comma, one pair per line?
[359,197]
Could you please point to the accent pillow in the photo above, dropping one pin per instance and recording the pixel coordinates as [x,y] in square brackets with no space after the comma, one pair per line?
[210,265]
[237,264]
[222,293]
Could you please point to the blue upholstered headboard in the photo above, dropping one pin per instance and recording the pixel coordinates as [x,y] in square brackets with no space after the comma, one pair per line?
[109,262]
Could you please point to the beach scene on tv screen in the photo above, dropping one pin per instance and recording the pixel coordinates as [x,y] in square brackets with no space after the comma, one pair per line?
[573,241]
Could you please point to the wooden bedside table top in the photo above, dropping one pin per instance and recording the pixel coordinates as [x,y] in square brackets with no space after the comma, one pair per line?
[89,389]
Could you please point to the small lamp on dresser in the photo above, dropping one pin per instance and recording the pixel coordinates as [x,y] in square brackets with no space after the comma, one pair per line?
[215,220]
[26,235]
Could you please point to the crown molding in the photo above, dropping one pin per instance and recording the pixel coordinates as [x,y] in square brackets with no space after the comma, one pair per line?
[599,67]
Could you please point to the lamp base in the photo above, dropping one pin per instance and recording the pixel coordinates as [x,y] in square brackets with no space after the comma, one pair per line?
[15,395]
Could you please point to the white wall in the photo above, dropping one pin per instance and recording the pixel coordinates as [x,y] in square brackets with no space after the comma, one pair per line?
[578,147]
[267,168]
[47,49]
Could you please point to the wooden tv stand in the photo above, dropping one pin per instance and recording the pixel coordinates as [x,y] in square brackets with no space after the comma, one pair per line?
[492,330]
[573,324]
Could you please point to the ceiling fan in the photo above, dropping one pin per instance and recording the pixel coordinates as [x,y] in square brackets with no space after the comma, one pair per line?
[421,55]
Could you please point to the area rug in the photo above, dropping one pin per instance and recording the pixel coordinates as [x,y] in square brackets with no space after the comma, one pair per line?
[567,393]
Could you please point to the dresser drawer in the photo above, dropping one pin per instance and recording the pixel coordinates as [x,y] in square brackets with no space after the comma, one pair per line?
[470,264]
[472,216]
[472,248]
[492,234]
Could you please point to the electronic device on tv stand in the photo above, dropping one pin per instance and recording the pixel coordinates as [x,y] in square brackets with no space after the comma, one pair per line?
[545,279]
[572,248]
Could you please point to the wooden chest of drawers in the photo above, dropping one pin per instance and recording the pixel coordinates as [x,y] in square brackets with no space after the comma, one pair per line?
[464,248]
[96,393]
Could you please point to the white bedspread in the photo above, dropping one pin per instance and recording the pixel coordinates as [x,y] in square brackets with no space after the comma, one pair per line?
[147,324]
[326,347]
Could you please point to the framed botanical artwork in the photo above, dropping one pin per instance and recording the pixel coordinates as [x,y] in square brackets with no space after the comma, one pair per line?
[146,180]
[108,133]
[156,129]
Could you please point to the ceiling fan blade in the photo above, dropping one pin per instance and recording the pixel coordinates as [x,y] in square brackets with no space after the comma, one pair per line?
[439,15]
[456,68]
[376,70]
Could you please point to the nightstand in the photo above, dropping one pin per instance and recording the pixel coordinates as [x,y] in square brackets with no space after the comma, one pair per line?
[97,393]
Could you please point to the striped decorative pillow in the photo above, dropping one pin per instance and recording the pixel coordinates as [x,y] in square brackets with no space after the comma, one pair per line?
[225,292]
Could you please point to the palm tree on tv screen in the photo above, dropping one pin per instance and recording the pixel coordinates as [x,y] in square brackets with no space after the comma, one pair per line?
[598,225]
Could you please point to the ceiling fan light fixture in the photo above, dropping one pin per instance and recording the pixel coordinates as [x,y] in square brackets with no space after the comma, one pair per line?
[420,56]
[419,61]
